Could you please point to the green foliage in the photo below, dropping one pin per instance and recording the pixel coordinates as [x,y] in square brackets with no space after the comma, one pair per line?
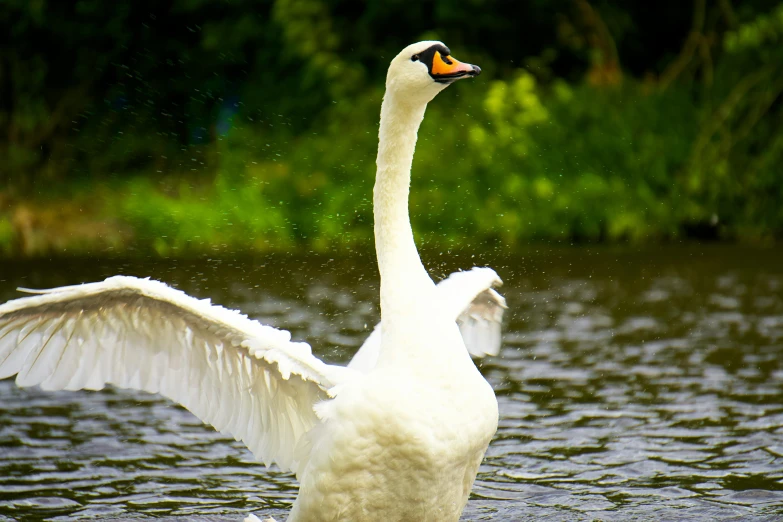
[310,191]
[253,124]
[6,235]
[236,211]
[764,31]
[584,163]
[510,161]
[734,171]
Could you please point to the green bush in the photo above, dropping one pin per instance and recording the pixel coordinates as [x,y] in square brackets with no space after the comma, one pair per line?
[254,125]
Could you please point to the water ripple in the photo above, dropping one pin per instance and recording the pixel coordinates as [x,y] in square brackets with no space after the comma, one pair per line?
[624,392]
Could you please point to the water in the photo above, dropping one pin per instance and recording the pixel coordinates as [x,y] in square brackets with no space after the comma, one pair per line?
[632,385]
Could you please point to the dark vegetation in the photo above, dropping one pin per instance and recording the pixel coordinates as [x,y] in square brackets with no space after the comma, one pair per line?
[182,126]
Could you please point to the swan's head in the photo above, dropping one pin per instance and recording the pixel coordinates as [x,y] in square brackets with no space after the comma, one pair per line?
[424,69]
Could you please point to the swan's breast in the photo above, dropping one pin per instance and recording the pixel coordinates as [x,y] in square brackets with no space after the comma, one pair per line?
[392,450]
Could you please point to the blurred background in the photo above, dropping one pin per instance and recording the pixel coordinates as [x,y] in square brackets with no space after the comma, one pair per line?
[177,127]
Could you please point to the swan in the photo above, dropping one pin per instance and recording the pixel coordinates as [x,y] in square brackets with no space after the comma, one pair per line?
[397,435]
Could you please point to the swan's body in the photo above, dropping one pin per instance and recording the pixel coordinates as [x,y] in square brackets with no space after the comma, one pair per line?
[396,436]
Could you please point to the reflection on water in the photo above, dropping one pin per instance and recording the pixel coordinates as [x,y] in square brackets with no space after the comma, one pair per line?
[630,385]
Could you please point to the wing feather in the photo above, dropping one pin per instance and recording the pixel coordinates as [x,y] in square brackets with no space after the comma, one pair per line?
[480,323]
[246,379]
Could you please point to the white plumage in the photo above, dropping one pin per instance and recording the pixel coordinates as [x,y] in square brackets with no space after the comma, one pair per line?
[469,298]
[398,435]
[242,377]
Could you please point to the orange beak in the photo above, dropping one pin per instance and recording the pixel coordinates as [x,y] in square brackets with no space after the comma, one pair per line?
[446,69]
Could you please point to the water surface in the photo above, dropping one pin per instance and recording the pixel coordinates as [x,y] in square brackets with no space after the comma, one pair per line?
[632,385]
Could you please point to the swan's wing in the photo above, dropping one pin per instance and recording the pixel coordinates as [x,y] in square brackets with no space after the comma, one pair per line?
[244,378]
[365,358]
[469,298]
[480,323]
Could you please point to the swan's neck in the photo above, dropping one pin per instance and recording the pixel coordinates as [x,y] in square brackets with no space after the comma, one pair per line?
[403,277]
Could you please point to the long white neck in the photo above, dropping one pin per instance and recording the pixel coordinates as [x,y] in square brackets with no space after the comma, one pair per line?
[403,277]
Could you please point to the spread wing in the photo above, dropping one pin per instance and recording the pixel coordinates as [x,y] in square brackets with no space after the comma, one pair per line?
[244,378]
[469,298]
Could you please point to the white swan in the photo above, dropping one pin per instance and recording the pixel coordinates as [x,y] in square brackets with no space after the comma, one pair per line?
[396,436]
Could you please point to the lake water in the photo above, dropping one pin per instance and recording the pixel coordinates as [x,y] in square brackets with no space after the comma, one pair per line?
[633,385]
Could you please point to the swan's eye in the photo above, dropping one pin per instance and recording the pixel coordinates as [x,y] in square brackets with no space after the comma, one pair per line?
[415,58]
